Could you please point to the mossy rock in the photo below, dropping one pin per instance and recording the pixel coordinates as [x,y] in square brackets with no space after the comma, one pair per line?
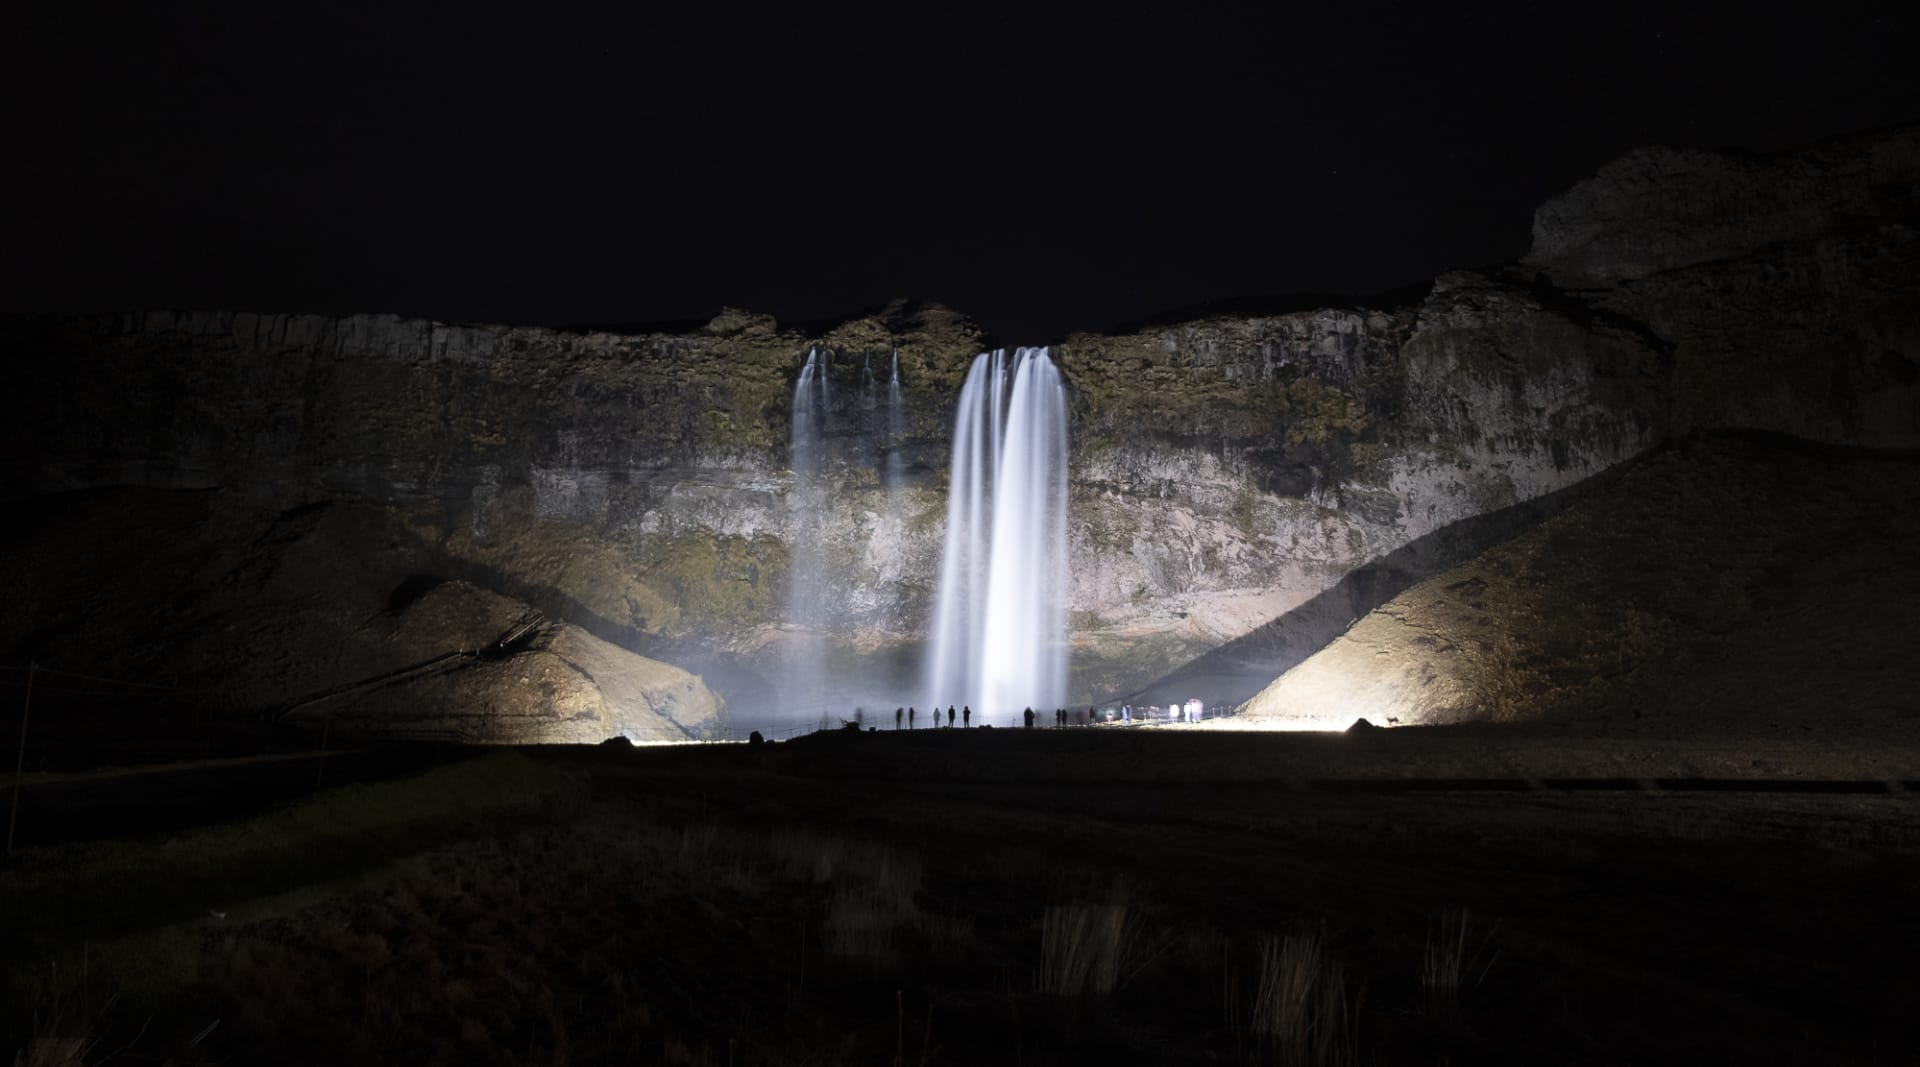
[708,584]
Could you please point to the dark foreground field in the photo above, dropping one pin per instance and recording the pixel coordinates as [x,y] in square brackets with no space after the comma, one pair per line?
[1002,898]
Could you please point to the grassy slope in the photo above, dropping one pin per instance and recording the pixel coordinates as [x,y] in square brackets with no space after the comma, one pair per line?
[727,905]
[56,898]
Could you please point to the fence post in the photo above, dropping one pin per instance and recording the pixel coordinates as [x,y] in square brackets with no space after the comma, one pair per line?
[20,759]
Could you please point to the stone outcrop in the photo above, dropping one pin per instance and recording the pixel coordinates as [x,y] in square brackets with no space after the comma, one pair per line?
[565,687]
[1231,475]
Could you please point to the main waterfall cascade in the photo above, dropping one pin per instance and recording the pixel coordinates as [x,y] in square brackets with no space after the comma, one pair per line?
[998,631]
[999,627]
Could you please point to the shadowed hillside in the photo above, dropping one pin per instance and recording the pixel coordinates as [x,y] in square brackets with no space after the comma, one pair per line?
[333,612]
[1754,585]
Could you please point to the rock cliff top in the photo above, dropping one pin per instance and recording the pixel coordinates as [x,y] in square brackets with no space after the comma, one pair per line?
[1659,208]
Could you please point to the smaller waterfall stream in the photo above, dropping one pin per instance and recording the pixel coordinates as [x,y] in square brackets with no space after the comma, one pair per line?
[803,646]
[896,437]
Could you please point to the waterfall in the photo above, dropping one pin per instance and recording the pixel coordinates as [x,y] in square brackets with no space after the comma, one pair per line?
[809,417]
[807,609]
[999,629]
[896,435]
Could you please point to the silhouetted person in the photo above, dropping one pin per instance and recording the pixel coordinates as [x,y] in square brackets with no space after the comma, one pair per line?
[898,714]
[949,714]
[966,716]
[1029,718]
[911,715]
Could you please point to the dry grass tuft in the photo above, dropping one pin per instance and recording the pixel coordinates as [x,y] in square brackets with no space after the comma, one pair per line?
[65,1026]
[1083,948]
[873,891]
[947,934]
[1455,955]
[55,1052]
[1300,1014]
[62,1025]
[824,860]
[861,923]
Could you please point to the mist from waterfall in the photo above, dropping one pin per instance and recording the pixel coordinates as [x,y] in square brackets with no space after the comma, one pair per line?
[999,628]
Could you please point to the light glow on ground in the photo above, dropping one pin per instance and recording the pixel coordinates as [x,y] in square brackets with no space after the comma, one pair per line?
[1303,724]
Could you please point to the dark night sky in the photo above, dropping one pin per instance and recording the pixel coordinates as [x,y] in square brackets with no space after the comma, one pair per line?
[1041,171]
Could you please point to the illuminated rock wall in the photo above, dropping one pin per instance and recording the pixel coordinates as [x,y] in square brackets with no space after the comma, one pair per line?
[1225,470]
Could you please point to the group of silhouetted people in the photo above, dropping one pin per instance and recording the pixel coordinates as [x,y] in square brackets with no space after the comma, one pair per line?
[1069,717]
[911,717]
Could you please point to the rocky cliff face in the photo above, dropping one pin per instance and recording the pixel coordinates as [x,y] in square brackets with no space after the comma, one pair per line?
[1783,285]
[1229,473]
